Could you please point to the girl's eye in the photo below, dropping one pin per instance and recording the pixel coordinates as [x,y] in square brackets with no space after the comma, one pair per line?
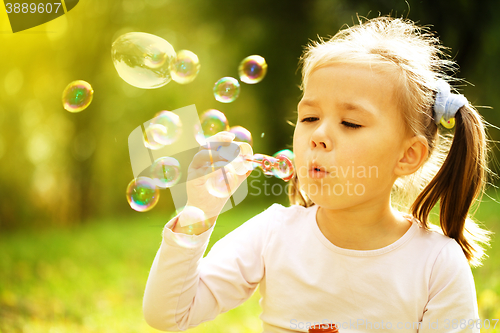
[351,125]
[308,119]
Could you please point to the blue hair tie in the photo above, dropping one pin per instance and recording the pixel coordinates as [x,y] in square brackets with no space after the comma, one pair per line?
[447,104]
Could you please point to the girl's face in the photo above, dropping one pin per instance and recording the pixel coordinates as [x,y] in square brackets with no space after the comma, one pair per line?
[349,136]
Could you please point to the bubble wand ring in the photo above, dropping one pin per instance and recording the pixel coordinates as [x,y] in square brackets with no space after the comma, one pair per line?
[275,165]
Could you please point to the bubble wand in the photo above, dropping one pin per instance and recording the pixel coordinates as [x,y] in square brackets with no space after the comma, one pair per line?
[279,166]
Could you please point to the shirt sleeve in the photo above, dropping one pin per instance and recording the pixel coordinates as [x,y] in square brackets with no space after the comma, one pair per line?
[184,290]
[452,305]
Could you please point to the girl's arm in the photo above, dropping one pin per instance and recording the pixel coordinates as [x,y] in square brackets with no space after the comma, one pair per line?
[184,289]
[452,305]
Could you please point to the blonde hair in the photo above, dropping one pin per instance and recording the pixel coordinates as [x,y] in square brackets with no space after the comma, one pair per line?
[456,167]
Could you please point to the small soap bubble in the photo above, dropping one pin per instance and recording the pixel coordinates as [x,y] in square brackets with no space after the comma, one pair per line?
[192,215]
[143,60]
[241,134]
[149,136]
[226,90]
[185,67]
[212,122]
[165,172]
[287,152]
[77,96]
[155,58]
[262,135]
[142,194]
[283,168]
[223,182]
[198,221]
[252,69]
[172,125]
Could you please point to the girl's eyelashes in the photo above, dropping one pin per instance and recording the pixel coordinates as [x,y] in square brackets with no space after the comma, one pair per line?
[345,123]
[308,119]
[351,125]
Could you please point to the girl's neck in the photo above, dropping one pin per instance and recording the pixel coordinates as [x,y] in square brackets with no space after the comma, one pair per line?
[362,230]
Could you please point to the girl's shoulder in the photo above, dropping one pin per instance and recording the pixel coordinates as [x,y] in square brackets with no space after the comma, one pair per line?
[431,236]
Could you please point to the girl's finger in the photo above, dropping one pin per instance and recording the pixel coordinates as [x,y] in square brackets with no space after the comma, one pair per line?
[206,156]
[222,137]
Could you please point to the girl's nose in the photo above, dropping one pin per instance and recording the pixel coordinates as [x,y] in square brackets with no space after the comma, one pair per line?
[321,138]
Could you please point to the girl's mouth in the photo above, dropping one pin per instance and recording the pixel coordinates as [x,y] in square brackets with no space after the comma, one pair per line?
[317,172]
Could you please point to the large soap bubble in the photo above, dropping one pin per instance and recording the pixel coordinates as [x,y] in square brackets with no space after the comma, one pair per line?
[143,60]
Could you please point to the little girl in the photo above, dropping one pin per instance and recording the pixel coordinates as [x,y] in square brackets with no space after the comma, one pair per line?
[375,100]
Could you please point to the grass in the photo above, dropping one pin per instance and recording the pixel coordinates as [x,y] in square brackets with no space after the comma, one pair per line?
[91,278]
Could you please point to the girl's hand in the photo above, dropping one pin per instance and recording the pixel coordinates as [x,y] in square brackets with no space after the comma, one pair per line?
[207,166]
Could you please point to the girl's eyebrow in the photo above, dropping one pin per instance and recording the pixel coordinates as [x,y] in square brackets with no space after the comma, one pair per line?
[350,106]
[308,102]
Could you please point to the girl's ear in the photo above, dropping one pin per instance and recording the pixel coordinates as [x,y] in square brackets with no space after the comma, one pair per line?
[413,156]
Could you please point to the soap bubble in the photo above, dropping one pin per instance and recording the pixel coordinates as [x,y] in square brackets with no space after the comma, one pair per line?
[185,67]
[252,69]
[223,182]
[198,221]
[212,122]
[149,136]
[241,134]
[172,125]
[155,58]
[142,194]
[226,90]
[193,218]
[287,152]
[283,168]
[142,60]
[77,96]
[166,172]
[193,214]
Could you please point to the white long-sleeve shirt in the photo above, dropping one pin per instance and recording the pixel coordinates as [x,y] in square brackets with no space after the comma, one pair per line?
[420,283]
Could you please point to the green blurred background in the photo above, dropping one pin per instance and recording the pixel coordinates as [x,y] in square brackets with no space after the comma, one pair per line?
[74,256]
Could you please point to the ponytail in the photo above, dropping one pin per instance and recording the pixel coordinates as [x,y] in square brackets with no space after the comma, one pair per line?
[459,182]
